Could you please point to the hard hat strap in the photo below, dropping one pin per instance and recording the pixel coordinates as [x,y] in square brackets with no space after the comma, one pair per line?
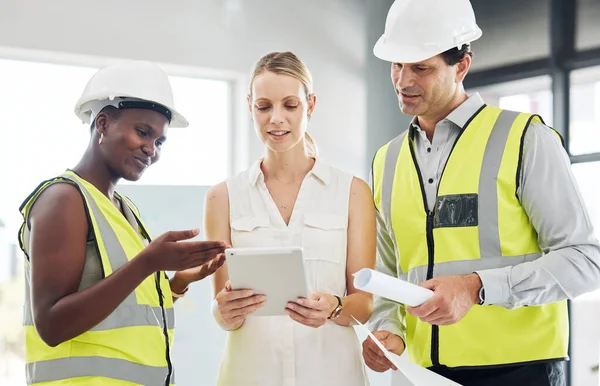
[147,106]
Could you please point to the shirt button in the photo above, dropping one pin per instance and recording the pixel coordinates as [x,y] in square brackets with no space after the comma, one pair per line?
[428,150]
[431,181]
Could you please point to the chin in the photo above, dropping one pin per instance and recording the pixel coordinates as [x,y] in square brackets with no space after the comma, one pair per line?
[132,175]
[280,147]
[410,109]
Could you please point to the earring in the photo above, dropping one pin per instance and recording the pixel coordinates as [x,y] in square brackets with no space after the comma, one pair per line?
[101,139]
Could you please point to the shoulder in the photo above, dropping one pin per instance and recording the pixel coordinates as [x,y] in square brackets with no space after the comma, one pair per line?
[540,136]
[382,151]
[359,187]
[217,193]
[360,193]
[59,202]
[58,195]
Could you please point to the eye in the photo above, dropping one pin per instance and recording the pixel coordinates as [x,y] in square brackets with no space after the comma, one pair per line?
[141,132]
[291,107]
[420,68]
[159,143]
[397,66]
[262,108]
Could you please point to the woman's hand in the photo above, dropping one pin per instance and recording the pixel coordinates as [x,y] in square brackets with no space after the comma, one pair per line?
[314,311]
[236,306]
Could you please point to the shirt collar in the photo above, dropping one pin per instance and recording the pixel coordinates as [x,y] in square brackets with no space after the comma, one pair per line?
[462,114]
[320,169]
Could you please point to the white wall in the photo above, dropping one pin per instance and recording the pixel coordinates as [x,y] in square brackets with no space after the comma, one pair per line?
[221,34]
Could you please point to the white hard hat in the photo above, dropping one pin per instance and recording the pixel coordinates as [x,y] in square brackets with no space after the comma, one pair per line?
[129,85]
[416,30]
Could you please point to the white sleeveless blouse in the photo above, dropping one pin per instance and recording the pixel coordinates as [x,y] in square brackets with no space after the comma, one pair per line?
[277,351]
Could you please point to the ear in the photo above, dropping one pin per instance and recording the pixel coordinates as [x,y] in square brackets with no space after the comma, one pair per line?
[249,100]
[312,102]
[462,68]
[101,123]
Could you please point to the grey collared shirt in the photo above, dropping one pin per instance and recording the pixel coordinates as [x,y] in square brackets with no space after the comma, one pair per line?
[549,195]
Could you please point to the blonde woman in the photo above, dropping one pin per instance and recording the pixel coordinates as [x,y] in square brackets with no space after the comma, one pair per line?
[292,197]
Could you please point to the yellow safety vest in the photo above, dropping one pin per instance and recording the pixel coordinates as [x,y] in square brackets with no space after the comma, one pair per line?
[132,345]
[477,223]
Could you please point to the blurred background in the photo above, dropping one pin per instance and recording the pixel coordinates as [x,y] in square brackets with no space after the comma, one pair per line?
[540,56]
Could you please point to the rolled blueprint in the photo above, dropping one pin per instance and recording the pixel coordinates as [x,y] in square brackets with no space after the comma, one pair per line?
[390,287]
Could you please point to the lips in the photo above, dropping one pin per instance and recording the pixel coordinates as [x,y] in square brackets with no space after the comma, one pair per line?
[405,95]
[278,133]
[142,162]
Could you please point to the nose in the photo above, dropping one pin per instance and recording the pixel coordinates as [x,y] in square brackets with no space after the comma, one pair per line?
[402,78]
[277,115]
[149,148]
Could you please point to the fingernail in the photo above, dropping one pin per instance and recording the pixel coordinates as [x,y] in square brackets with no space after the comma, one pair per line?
[291,306]
[263,298]
[300,301]
[248,293]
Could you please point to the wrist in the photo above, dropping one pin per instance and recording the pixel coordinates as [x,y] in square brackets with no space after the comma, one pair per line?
[336,306]
[145,265]
[178,284]
[476,286]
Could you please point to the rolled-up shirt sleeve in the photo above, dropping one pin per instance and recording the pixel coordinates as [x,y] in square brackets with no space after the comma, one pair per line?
[570,264]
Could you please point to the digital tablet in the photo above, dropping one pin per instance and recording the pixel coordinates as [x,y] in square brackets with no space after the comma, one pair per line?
[276,272]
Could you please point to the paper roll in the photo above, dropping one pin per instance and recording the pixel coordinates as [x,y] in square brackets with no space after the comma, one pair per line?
[390,287]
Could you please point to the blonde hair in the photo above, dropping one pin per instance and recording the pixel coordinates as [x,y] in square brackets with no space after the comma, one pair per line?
[287,63]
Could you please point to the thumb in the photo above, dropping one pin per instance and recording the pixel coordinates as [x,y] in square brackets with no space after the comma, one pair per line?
[387,340]
[181,235]
[429,284]
[382,336]
[228,286]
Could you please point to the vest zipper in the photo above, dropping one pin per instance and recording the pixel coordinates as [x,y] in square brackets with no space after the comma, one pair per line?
[161,298]
[161,301]
[435,330]
[435,333]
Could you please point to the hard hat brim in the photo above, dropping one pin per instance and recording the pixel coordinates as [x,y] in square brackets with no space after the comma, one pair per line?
[177,120]
[407,53]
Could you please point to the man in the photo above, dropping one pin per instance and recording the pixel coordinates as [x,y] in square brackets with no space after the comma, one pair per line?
[479,205]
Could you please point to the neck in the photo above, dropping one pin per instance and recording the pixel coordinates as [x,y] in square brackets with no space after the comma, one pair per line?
[287,167]
[94,170]
[427,123]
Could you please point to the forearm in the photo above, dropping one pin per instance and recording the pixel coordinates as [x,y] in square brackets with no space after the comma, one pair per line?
[358,305]
[388,316]
[79,312]
[570,264]
[561,274]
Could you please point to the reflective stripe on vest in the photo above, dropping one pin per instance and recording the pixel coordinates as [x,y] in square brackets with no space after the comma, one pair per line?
[477,223]
[109,368]
[131,344]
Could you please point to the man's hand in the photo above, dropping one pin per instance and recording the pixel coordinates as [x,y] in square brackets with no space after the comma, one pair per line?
[374,357]
[453,298]
[314,311]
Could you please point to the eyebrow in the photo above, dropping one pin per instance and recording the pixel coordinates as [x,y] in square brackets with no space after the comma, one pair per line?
[268,100]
